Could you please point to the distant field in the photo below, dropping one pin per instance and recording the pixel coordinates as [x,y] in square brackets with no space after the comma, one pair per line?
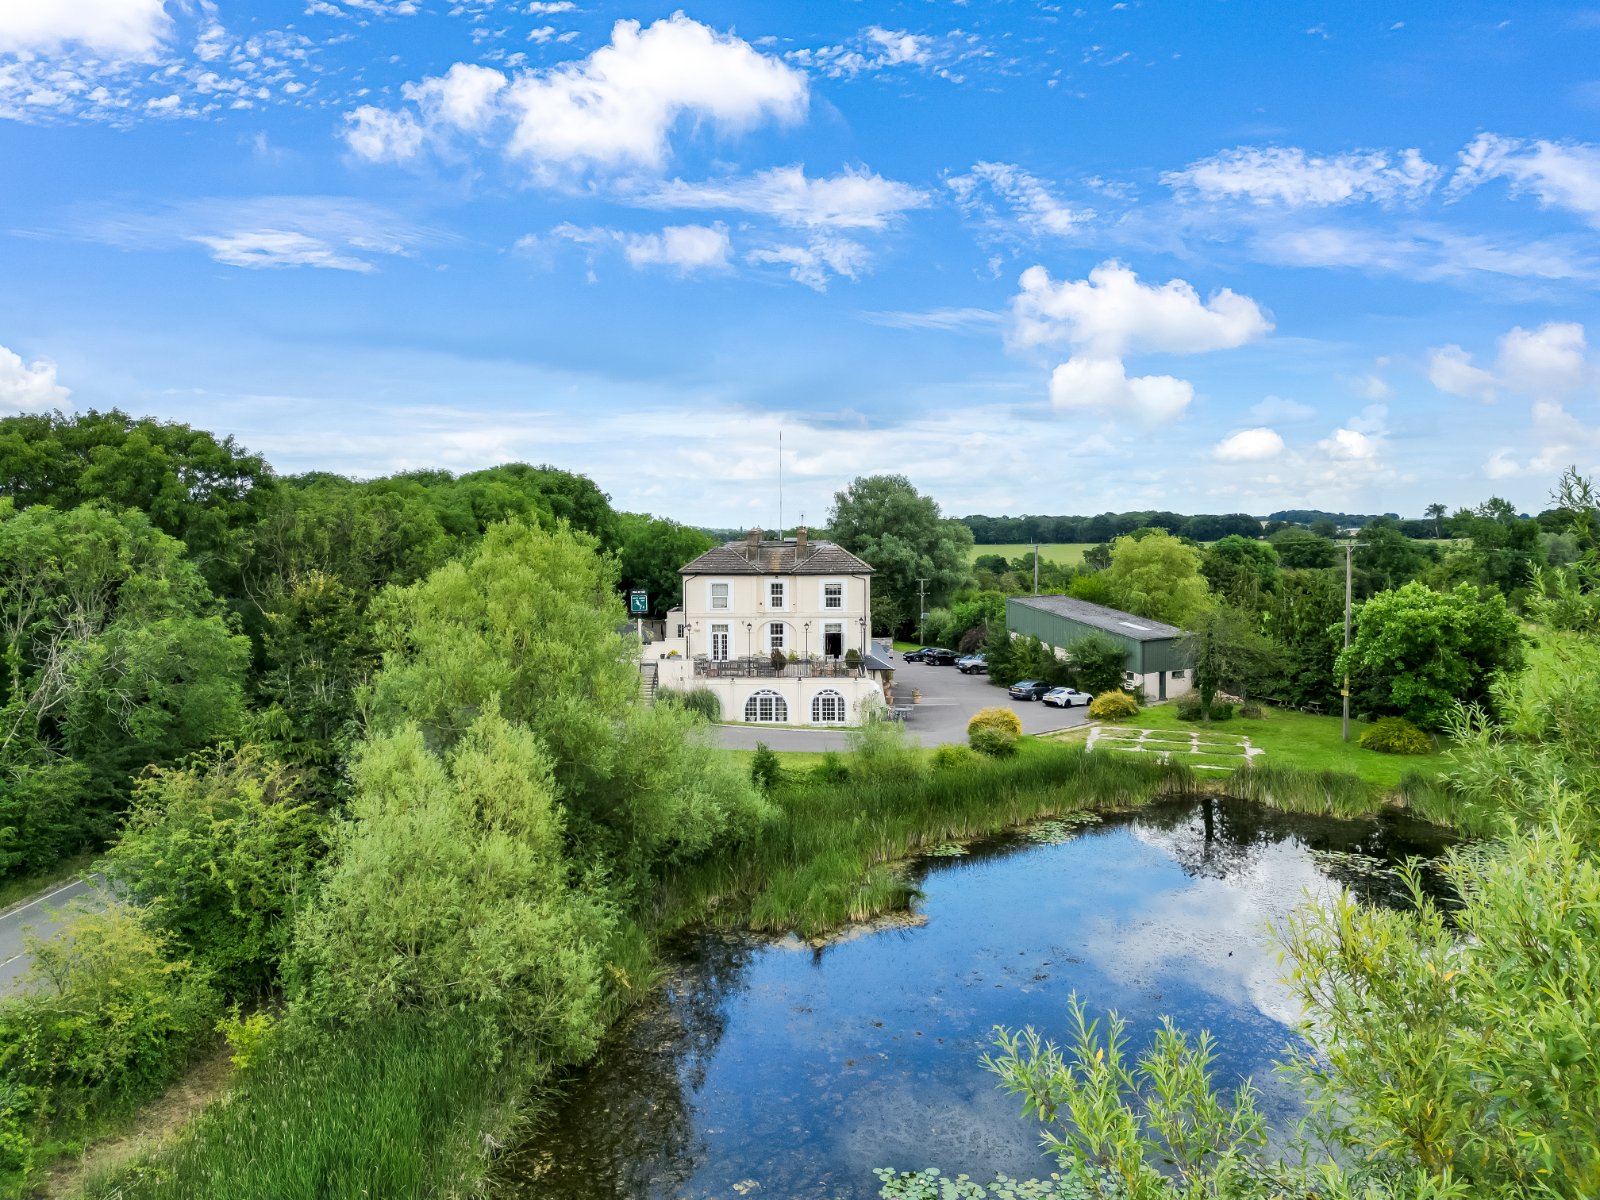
[1067,553]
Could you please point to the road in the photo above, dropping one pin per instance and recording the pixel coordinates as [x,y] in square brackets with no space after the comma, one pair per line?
[949,699]
[40,917]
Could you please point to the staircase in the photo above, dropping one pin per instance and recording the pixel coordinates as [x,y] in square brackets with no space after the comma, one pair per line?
[647,683]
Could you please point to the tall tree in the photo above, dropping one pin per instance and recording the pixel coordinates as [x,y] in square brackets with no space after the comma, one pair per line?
[1435,513]
[651,552]
[1157,576]
[1241,571]
[884,520]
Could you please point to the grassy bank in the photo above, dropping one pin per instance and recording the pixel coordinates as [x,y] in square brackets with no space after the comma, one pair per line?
[1295,739]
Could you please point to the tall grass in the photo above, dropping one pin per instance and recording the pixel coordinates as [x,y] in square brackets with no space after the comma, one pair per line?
[395,1110]
[833,854]
[1298,790]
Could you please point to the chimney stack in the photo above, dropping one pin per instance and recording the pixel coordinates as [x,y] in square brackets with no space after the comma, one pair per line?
[752,544]
[800,536]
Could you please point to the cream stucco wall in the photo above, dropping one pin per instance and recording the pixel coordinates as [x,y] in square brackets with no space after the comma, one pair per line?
[751,611]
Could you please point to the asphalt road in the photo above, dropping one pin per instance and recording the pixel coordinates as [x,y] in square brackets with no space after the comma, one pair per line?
[41,917]
[949,699]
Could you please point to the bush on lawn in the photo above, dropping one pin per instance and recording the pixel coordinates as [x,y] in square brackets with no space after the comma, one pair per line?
[993,740]
[766,772]
[953,754]
[1112,706]
[1396,735]
[996,718]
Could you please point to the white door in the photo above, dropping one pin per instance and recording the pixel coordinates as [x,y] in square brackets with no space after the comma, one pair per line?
[719,643]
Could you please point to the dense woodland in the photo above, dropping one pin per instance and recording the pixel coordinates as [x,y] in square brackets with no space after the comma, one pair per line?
[371,773]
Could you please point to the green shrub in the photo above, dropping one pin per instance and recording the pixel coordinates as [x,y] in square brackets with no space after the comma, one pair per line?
[105,1018]
[1221,710]
[1396,735]
[881,749]
[701,701]
[778,659]
[996,717]
[832,768]
[1112,706]
[993,740]
[216,851]
[1189,707]
[766,771]
[953,754]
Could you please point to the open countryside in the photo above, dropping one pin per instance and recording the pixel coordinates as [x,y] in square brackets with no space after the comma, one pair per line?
[524,671]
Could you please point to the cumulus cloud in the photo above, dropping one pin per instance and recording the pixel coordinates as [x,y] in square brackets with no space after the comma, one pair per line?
[685,247]
[1560,174]
[1549,361]
[614,110]
[118,29]
[1030,203]
[1349,445]
[856,198]
[1249,445]
[1101,384]
[1112,313]
[1290,177]
[29,387]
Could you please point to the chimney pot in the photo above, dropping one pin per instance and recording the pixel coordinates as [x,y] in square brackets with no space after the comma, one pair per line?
[752,544]
[800,536]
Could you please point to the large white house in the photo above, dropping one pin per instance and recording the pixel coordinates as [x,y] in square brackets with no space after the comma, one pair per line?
[779,629]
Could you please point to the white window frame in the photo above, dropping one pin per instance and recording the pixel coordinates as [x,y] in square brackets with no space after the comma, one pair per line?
[711,596]
[844,595]
[833,698]
[777,636]
[777,708]
[778,588]
[724,630]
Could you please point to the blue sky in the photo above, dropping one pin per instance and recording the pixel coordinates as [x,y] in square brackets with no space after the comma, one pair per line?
[1038,257]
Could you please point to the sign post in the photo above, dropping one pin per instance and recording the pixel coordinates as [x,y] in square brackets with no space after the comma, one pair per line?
[638,605]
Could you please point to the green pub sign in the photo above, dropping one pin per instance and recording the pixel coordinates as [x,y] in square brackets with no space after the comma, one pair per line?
[638,603]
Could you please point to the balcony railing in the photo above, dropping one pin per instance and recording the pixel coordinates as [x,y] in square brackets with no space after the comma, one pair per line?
[763,668]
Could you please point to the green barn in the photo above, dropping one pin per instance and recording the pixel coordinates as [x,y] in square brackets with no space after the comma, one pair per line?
[1157,659]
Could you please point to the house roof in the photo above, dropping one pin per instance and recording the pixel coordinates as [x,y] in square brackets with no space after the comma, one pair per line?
[776,558]
[1098,616]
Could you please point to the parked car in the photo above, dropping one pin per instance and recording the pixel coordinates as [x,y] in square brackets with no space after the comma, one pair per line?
[1028,689]
[933,655]
[1065,697]
[972,664]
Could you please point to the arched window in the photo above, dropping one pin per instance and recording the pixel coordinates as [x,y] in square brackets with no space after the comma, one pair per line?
[766,706]
[827,708]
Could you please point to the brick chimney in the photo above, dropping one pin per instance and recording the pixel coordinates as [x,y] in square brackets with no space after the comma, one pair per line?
[752,544]
[800,536]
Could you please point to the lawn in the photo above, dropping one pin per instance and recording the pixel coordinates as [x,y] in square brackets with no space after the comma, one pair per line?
[1067,553]
[1289,738]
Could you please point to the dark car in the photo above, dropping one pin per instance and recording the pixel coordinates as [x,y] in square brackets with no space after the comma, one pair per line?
[972,664]
[932,654]
[1028,689]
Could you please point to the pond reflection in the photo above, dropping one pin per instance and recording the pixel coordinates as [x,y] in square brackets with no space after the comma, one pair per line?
[768,1068]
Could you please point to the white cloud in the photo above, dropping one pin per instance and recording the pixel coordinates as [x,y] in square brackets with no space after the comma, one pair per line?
[1561,174]
[1546,361]
[1350,445]
[854,199]
[1290,177]
[1101,384]
[118,29]
[1280,411]
[29,387]
[614,110]
[947,319]
[686,247]
[278,248]
[1450,370]
[549,7]
[1032,205]
[462,98]
[816,262]
[1112,313]
[878,49]
[378,135]
[617,107]
[1427,252]
[1249,445]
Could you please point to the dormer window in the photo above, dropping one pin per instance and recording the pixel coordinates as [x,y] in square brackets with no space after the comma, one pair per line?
[775,595]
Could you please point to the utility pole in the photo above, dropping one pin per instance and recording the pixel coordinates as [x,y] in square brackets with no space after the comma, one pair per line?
[1036,568]
[1349,548]
[922,609]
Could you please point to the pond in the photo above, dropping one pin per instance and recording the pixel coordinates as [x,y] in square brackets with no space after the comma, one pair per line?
[776,1068]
